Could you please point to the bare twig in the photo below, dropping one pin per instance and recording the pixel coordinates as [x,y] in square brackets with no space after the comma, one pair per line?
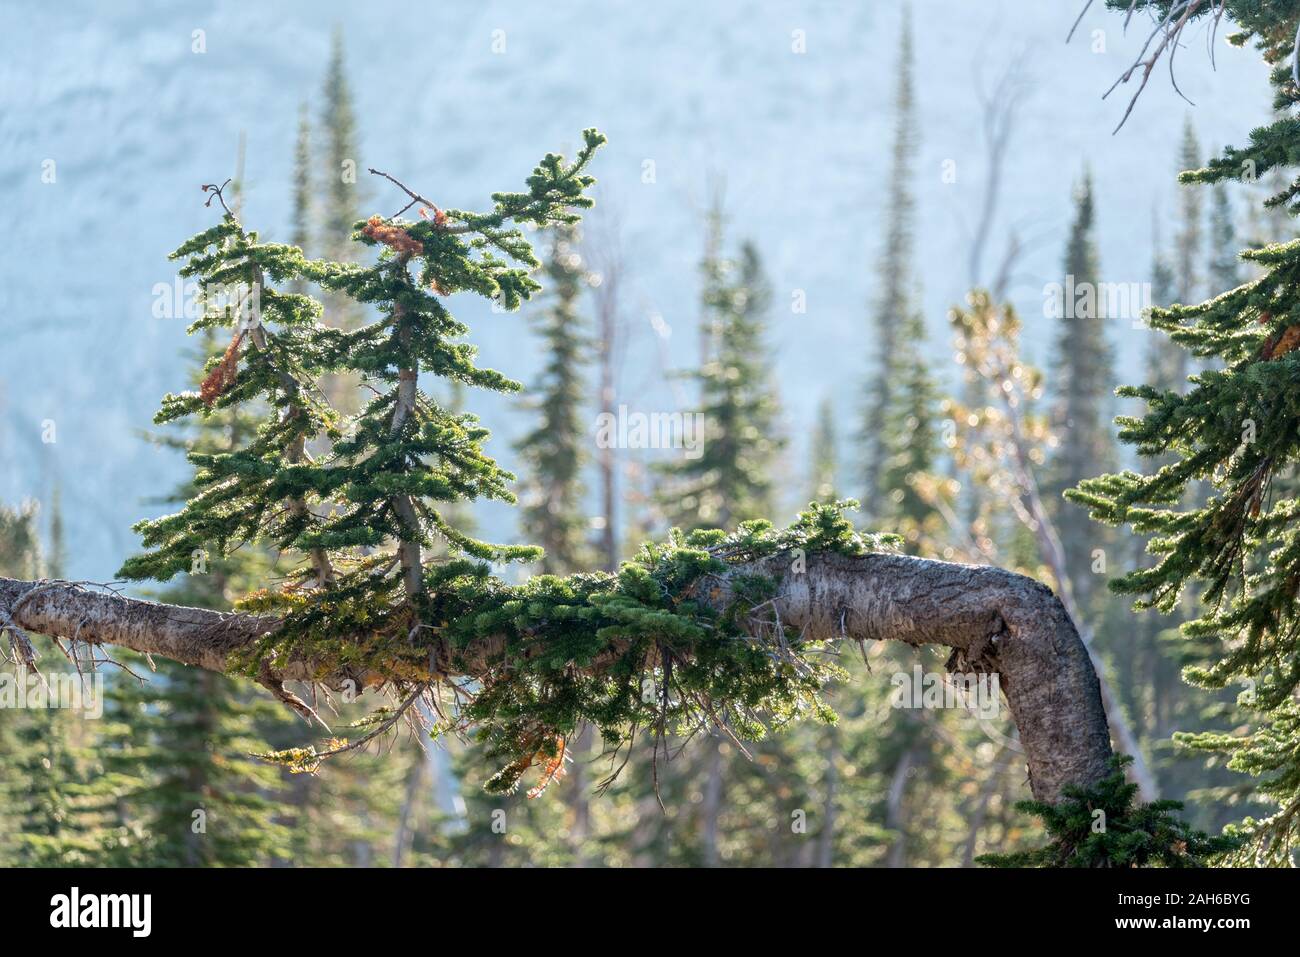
[1166,35]
[381,729]
[415,197]
[1077,21]
[216,190]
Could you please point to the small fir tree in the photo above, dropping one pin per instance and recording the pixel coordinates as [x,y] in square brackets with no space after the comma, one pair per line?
[1082,381]
[823,455]
[727,480]
[894,298]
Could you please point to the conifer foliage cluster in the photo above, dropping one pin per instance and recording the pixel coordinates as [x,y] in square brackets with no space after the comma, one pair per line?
[365,512]
[388,589]
[1103,826]
[1233,430]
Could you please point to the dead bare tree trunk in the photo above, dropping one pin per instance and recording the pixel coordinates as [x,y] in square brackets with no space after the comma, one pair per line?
[894,808]
[414,781]
[579,797]
[605,253]
[831,780]
[981,813]
[711,806]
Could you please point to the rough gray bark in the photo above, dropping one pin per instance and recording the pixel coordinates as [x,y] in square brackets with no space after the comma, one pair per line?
[993,620]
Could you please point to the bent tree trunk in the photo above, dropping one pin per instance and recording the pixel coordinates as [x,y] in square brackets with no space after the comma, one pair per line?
[995,622]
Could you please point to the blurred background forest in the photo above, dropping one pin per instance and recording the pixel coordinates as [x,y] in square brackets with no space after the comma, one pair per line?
[944,388]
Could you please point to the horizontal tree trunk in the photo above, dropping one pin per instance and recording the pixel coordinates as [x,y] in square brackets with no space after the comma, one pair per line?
[993,620]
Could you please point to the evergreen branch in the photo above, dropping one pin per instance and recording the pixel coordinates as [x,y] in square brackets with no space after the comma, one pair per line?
[1049,680]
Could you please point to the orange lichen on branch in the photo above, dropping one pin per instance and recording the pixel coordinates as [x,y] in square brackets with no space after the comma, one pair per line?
[546,752]
[1280,343]
[394,237]
[403,243]
[222,376]
[439,217]
[552,768]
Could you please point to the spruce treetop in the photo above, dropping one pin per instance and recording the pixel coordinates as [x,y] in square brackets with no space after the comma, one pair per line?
[728,481]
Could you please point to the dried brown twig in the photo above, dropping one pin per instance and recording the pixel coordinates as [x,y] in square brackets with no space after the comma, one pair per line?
[1166,34]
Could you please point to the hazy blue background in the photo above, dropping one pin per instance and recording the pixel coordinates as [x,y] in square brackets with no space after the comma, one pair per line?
[135,122]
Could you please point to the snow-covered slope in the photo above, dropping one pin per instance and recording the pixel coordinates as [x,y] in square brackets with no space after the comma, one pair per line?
[134,121]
